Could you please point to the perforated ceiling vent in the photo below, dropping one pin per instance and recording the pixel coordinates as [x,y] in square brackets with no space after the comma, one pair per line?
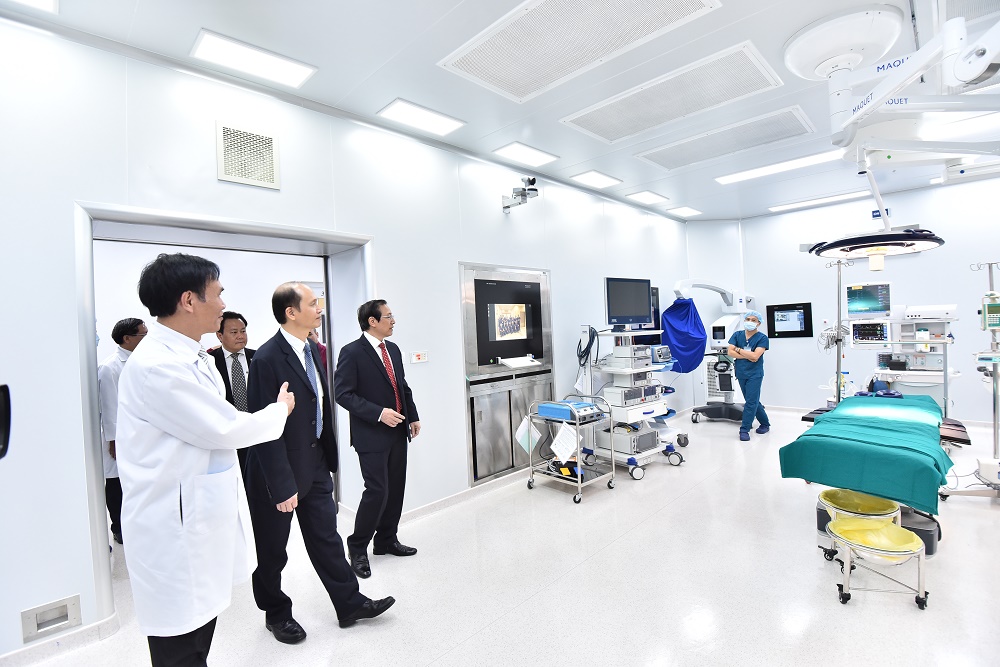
[783,124]
[542,43]
[247,157]
[722,78]
[972,10]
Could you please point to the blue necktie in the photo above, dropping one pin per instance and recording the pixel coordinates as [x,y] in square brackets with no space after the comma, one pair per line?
[311,374]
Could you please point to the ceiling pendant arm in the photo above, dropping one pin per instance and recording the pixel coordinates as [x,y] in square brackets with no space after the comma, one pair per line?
[878,198]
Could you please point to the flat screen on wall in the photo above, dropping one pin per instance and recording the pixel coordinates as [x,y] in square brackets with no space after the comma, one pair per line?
[508,320]
[790,320]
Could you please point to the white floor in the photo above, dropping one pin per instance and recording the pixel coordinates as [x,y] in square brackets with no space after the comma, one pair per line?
[710,563]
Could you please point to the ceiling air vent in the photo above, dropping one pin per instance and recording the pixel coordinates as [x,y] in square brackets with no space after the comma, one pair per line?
[542,43]
[972,10]
[247,157]
[720,79]
[747,134]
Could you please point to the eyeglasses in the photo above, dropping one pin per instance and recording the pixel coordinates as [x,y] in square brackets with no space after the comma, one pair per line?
[137,335]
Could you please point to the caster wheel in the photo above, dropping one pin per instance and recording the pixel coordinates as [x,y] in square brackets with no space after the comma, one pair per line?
[589,459]
[844,597]
[636,472]
[531,483]
[682,440]
[577,498]
[943,496]
[828,553]
[611,483]
[675,458]
[695,417]
[922,601]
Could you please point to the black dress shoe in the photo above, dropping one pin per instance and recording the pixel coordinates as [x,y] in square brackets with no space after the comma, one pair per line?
[287,632]
[394,549]
[360,565]
[370,609]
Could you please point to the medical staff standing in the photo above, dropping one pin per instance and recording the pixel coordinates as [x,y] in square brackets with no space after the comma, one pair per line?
[747,347]
[184,509]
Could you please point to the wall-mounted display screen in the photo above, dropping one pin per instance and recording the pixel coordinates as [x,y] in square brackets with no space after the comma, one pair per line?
[790,320]
[868,301]
[508,320]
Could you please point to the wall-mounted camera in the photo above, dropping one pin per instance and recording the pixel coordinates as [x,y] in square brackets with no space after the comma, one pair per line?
[520,195]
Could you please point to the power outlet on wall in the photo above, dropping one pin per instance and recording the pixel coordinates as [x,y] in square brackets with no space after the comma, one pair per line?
[418,357]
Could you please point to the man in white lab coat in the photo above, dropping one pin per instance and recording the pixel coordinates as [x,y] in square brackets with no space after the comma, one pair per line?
[184,509]
[127,333]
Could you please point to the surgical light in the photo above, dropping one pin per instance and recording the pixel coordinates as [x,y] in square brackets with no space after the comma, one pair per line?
[420,117]
[647,197]
[768,170]
[878,245]
[596,179]
[519,152]
[250,59]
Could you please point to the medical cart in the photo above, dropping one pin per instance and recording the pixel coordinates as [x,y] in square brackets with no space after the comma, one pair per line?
[634,447]
[576,474]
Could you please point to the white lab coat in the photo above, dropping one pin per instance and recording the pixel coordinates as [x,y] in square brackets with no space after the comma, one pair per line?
[107,383]
[184,511]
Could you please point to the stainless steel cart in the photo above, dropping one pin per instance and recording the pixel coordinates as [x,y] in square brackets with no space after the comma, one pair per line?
[584,475]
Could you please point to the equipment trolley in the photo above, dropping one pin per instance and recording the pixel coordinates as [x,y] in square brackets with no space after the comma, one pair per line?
[573,473]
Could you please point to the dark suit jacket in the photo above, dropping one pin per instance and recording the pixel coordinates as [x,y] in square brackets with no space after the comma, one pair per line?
[286,466]
[362,387]
[220,355]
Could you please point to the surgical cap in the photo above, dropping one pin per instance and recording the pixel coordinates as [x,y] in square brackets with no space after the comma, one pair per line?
[760,318]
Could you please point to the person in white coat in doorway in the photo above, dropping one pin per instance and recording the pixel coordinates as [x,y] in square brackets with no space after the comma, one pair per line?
[127,333]
[184,509]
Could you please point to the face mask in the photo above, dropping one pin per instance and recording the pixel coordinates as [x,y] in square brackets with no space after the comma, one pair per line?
[749,326]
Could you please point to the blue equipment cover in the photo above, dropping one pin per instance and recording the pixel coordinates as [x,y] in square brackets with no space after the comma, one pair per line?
[684,332]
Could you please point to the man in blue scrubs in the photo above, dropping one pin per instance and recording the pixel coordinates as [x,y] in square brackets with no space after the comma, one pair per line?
[747,347]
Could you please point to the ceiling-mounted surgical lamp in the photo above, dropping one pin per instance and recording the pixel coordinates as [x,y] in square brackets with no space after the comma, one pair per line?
[877,245]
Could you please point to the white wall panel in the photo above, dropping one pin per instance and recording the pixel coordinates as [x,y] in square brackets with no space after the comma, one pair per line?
[171,143]
[64,111]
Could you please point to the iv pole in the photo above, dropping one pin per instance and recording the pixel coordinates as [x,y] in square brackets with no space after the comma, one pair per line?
[840,264]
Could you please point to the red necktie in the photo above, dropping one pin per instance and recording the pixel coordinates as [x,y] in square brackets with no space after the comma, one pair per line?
[392,376]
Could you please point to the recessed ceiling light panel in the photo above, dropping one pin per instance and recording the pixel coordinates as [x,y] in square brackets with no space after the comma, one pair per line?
[684,212]
[770,169]
[519,152]
[420,117]
[820,201]
[249,59]
[596,179]
[648,198]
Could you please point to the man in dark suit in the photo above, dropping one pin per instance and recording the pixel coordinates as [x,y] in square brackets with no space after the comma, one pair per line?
[292,473]
[233,361]
[371,385]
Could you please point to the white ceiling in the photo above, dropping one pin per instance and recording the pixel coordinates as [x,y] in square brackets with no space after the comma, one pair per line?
[370,53]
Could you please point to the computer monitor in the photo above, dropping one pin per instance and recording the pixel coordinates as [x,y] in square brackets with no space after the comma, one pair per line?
[790,320]
[629,301]
[868,301]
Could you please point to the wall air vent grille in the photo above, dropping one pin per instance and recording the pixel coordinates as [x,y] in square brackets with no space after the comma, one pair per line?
[542,43]
[972,10]
[720,79]
[767,129]
[247,157]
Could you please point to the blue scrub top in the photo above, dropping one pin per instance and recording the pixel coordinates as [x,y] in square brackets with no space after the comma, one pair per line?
[745,368]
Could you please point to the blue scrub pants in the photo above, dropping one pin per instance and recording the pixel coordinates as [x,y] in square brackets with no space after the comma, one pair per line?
[751,403]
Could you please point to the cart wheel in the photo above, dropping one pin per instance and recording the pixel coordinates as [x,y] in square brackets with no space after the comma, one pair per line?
[828,553]
[675,458]
[845,597]
[682,439]
[590,459]
[531,483]
[611,483]
[943,496]
[635,472]
[577,498]
[695,417]
[853,566]
[922,601]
